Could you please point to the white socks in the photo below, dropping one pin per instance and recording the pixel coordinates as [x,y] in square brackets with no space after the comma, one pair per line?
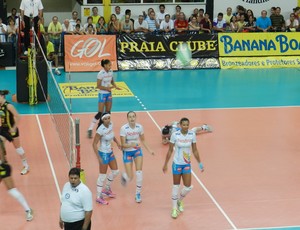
[19,197]
[100,182]
[139,181]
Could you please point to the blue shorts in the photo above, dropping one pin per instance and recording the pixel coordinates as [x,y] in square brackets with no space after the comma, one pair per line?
[104,97]
[128,156]
[181,169]
[106,157]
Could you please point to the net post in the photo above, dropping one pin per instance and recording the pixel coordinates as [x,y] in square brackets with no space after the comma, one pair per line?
[77,142]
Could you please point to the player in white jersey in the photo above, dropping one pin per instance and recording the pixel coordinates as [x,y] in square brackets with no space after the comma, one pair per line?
[104,152]
[105,83]
[132,135]
[184,140]
[167,130]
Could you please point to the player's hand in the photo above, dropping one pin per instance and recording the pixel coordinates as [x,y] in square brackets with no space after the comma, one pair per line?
[118,88]
[165,168]
[201,167]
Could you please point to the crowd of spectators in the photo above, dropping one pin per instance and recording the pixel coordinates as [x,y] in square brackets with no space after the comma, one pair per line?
[155,22]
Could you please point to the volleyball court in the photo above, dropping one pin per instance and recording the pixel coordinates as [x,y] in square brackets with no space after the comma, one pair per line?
[250,179]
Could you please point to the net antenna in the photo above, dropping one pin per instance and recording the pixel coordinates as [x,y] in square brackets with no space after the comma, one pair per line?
[59,111]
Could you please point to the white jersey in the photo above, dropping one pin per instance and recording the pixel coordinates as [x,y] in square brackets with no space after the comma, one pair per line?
[106,79]
[31,7]
[131,135]
[183,144]
[75,202]
[107,136]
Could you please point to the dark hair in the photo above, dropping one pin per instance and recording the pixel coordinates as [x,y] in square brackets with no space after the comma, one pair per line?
[202,10]
[74,171]
[104,62]
[220,14]
[127,12]
[184,119]
[131,112]
[4,92]
[166,130]
[162,5]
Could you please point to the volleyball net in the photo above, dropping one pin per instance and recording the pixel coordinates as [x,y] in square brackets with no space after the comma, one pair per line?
[58,109]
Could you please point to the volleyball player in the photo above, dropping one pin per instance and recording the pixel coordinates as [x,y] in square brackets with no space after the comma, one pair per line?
[5,176]
[167,130]
[132,134]
[10,130]
[105,135]
[105,83]
[184,140]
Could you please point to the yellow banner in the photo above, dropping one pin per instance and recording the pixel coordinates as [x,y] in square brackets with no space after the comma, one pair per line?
[260,62]
[258,44]
[89,90]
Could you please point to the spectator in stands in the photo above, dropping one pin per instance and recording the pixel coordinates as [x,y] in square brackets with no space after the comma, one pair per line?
[277,20]
[194,14]
[296,11]
[101,26]
[67,28]
[194,26]
[167,25]
[3,31]
[148,13]
[14,16]
[161,14]
[78,30]
[126,25]
[181,25]
[41,26]
[250,13]
[89,21]
[90,30]
[95,16]
[153,24]
[177,11]
[292,24]
[78,22]
[206,24]
[263,23]
[273,11]
[11,31]
[74,19]
[113,25]
[241,23]
[28,11]
[200,15]
[227,17]
[251,25]
[118,13]
[219,24]
[140,25]
[54,31]
[51,54]
[239,10]
[234,27]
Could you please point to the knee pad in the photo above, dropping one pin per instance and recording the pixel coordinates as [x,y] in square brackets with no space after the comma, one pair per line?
[115,172]
[98,115]
[188,189]
[20,151]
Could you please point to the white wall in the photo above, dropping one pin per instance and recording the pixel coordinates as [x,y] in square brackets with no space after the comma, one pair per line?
[286,6]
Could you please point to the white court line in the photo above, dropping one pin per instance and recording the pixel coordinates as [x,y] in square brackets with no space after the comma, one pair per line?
[48,156]
[203,186]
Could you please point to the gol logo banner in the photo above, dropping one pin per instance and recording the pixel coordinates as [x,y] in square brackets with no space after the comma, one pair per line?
[89,90]
[85,52]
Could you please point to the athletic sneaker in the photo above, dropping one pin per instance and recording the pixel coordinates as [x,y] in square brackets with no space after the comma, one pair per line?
[25,170]
[180,205]
[206,128]
[174,213]
[100,200]
[109,193]
[57,72]
[29,215]
[123,180]
[90,133]
[138,198]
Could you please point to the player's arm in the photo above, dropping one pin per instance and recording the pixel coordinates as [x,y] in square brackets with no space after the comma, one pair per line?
[16,116]
[114,84]
[142,138]
[117,142]
[196,154]
[99,86]
[126,145]
[95,146]
[169,154]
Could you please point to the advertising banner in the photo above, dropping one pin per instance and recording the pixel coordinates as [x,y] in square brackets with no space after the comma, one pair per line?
[259,62]
[258,44]
[85,52]
[148,46]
